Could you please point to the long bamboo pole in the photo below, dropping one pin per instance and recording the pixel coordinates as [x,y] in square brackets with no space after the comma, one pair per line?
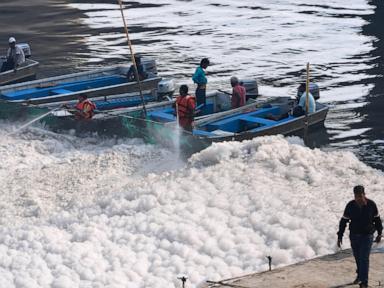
[132,57]
[306,121]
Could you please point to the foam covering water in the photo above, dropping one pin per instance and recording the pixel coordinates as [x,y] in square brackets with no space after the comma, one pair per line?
[119,213]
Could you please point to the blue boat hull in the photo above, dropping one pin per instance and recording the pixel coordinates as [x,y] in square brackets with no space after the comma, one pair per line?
[254,121]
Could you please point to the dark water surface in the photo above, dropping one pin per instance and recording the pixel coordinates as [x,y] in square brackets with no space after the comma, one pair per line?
[269,39]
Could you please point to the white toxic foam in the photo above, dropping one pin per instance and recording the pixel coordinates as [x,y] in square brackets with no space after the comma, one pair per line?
[99,213]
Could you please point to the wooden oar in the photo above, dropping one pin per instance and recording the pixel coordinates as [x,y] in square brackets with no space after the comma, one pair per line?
[225,92]
[306,120]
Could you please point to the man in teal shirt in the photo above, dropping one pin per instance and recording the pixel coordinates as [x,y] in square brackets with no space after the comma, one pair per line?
[201,81]
[299,110]
[311,102]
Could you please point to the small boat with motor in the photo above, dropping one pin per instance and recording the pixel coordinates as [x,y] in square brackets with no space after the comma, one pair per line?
[105,118]
[120,111]
[52,92]
[25,72]
[216,122]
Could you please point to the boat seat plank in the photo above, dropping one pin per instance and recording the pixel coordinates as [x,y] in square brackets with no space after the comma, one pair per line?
[265,111]
[60,91]
[202,133]
[219,132]
[257,120]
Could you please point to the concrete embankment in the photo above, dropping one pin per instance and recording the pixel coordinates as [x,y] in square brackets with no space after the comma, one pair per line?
[330,271]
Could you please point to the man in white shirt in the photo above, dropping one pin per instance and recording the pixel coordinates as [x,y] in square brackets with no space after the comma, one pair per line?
[15,56]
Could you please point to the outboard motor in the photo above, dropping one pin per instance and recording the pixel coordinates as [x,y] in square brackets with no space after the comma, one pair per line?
[313,89]
[26,49]
[166,87]
[149,66]
[251,87]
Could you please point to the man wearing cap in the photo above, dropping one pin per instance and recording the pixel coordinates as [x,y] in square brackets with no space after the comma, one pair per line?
[15,56]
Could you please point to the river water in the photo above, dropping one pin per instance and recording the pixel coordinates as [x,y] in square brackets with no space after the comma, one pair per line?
[269,40]
[97,212]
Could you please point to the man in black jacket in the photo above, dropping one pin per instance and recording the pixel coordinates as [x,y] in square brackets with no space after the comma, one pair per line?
[363,218]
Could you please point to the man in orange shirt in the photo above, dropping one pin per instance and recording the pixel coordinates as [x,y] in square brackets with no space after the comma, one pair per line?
[84,108]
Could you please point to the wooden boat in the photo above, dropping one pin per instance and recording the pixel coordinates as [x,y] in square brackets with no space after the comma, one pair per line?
[25,72]
[269,117]
[216,122]
[117,108]
[100,82]
[25,99]
[104,121]
[106,106]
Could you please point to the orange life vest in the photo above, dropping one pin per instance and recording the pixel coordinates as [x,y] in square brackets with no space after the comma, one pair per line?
[186,111]
[87,107]
[185,106]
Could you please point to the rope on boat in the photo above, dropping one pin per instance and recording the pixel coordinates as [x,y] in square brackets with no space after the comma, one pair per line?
[33,121]
[132,57]
[153,122]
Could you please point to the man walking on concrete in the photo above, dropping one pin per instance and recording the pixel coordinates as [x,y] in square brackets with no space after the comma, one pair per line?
[364,219]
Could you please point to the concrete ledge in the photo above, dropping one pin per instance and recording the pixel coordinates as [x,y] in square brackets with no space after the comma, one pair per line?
[330,271]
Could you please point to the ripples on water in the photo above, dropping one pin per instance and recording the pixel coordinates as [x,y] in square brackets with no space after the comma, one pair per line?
[269,40]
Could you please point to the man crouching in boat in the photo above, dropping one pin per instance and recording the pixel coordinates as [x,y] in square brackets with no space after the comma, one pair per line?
[185,108]
[84,108]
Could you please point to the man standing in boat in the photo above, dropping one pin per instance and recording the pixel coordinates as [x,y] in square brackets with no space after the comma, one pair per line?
[363,218]
[84,108]
[185,108]
[201,81]
[15,56]
[238,93]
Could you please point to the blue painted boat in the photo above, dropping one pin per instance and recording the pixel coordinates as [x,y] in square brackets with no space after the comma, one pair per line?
[100,82]
[215,122]
[113,116]
[271,116]
[106,107]
[25,100]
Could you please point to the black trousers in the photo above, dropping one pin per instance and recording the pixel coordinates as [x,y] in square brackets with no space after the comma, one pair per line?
[298,111]
[200,96]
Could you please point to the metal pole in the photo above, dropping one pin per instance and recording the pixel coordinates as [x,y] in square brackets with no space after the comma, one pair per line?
[183,280]
[177,114]
[132,57]
[269,262]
